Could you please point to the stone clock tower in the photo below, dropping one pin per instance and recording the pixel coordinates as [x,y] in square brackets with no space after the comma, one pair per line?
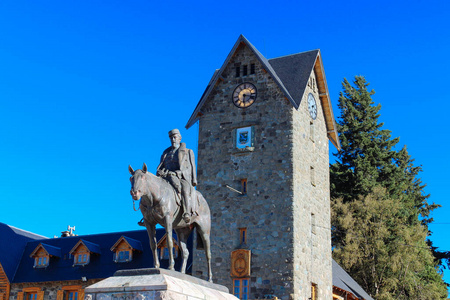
[264,131]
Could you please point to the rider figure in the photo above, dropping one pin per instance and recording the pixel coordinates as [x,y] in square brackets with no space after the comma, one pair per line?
[177,166]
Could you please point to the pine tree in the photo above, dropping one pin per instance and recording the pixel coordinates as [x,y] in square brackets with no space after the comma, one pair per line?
[366,156]
[366,164]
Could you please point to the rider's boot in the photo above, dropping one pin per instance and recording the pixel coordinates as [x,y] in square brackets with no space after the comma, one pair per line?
[186,214]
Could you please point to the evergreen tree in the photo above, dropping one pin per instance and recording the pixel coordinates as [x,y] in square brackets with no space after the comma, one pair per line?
[367,163]
[366,156]
[388,257]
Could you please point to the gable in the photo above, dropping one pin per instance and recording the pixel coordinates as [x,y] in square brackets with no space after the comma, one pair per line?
[40,251]
[220,74]
[85,246]
[44,249]
[290,73]
[126,242]
[163,241]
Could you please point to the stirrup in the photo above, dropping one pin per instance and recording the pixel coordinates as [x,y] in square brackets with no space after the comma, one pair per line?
[186,218]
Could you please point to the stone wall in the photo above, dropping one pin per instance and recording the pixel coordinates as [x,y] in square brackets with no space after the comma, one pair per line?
[277,208]
[50,288]
[312,245]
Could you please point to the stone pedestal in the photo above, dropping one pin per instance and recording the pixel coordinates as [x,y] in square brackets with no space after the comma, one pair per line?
[154,284]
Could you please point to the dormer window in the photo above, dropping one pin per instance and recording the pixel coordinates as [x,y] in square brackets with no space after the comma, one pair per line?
[123,256]
[123,249]
[40,262]
[81,259]
[82,252]
[164,249]
[42,254]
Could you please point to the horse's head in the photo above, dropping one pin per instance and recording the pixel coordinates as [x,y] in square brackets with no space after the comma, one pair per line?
[139,186]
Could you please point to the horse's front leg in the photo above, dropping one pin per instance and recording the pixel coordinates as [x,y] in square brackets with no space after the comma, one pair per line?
[168,226]
[151,230]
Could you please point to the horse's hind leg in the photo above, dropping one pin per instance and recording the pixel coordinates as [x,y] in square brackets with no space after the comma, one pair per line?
[204,234]
[183,235]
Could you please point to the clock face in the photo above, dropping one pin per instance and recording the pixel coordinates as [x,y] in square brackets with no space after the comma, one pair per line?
[312,106]
[244,95]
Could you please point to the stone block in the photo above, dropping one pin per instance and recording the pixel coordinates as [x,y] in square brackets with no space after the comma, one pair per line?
[155,284]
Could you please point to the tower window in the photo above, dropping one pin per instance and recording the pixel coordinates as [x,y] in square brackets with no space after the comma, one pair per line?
[238,71]
[243,235]
[311,130]
[244,186]
[245,70]
[313,176]
[252,68]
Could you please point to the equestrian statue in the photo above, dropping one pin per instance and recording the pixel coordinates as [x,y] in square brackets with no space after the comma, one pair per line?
[170,199]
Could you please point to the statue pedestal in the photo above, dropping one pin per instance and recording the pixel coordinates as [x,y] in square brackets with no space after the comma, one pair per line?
[154,284]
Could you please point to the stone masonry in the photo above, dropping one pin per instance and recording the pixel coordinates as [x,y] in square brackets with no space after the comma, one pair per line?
[288,186]
[50,288]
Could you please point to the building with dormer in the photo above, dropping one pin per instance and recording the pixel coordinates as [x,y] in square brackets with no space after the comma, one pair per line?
[265,126]
[33,267]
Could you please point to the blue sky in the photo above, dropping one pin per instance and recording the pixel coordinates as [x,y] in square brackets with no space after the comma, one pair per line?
[88,87]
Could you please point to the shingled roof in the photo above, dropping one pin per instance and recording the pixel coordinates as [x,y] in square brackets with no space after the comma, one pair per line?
[294,71]
[291,73]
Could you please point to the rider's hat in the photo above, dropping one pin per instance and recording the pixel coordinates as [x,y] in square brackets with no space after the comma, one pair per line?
[173,132]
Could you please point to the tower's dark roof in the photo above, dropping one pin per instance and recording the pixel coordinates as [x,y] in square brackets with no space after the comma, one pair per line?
[294,71]
[291,74]
[11,252]
[343,281]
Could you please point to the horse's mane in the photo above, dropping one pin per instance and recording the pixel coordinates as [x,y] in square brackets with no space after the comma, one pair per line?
[160,179]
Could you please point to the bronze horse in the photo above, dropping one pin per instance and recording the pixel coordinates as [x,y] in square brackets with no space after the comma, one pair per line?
[159,206]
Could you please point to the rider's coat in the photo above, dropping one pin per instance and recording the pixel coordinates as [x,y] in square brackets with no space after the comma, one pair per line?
[186,161]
